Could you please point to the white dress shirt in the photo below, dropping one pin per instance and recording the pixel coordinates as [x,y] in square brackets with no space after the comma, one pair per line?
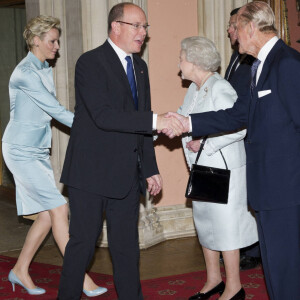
[122,54]
[263,53]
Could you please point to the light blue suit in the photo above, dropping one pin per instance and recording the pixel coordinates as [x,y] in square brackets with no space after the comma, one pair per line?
[27,137]
[33,104]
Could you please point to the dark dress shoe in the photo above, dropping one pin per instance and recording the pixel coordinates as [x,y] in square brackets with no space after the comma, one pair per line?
[249,262]
[202,296]
[240,295]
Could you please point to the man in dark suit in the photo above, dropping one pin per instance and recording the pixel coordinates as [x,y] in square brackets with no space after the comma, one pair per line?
[110,155]
[238,73]
[271,115]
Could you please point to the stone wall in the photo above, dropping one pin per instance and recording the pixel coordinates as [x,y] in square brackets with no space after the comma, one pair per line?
[12,50]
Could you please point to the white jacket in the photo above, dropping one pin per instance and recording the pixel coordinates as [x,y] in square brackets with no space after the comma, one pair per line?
[215,94]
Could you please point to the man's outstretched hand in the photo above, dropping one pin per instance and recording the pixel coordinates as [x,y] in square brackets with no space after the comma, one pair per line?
[172,124]
[169,125]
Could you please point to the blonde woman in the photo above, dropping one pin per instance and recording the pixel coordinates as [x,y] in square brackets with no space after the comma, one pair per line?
[26,144]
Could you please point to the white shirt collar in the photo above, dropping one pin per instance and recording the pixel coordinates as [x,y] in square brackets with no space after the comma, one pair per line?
[121,53]
[263,53]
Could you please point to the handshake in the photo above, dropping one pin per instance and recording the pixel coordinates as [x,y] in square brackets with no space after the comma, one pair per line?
[172,124]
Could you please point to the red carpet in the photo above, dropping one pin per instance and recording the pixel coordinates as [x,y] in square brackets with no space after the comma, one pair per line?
[176,287]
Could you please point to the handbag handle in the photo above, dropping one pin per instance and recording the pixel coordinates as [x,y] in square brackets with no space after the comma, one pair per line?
[201,148]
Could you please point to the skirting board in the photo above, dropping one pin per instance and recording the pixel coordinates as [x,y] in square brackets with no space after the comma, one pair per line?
[159,224]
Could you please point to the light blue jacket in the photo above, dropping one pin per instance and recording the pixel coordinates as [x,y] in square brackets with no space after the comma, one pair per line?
[33,104]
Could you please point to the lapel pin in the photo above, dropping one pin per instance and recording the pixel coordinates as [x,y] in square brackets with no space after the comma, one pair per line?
[142,71]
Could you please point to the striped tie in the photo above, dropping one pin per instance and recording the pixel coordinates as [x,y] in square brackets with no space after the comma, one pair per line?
[253,75]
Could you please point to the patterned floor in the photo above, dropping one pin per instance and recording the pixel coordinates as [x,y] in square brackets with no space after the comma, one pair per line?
[176,287]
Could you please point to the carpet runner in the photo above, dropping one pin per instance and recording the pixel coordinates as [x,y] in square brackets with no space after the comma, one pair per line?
[175,287]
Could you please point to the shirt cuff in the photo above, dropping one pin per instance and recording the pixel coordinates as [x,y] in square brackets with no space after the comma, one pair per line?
[154,121]
[190,121]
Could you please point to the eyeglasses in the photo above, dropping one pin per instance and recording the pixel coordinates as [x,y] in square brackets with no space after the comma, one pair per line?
[136,26]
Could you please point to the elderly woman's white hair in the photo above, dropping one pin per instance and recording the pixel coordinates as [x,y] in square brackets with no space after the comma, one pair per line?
[201,52]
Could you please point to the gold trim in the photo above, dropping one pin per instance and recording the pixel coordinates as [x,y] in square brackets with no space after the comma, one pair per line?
[286,32]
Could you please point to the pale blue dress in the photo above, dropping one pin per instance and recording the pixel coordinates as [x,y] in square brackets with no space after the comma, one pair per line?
[27,137]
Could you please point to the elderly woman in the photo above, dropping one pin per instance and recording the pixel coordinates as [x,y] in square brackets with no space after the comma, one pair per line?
[26,144]
[220,227]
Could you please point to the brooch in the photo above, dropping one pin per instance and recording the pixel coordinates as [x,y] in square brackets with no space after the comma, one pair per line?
[205,91]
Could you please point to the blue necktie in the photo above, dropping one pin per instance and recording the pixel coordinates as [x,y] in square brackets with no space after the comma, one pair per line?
[253,75]
[131,79]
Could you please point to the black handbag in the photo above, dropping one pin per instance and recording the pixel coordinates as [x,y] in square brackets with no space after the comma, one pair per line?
[208,184]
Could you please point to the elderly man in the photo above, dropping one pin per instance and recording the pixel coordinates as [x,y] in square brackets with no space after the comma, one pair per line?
[271,115]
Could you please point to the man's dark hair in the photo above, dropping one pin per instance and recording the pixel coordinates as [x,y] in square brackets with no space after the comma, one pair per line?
[116,14]
[234,11]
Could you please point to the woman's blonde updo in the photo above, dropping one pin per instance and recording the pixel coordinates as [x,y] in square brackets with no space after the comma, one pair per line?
[38,26]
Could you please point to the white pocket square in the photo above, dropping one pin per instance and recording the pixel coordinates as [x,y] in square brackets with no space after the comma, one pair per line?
[264,93]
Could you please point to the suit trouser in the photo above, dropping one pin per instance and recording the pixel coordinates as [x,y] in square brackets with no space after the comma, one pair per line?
[85,227]
[279,238]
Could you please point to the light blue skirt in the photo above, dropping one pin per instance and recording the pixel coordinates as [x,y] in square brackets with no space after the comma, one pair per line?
[36,190]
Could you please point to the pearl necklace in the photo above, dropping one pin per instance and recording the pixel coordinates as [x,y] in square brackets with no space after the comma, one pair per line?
[205,78]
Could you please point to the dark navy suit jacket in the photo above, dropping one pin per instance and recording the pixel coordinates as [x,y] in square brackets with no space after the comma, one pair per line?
[273,124]
[241,77]
[108,134]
